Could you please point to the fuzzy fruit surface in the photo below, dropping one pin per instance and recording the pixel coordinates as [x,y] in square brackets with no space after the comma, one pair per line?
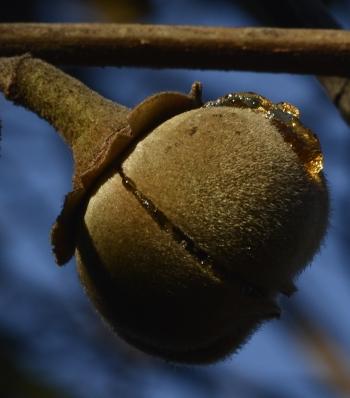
[185,245]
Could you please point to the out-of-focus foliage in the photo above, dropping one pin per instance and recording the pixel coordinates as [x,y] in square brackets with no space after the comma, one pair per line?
[122,10]
[16,382]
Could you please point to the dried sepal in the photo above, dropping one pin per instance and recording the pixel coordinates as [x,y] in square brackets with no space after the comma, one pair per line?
[132,126]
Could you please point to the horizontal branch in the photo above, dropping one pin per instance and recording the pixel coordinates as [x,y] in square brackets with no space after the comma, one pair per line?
[308,51]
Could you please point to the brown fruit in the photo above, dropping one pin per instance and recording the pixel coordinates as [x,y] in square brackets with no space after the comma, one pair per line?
[185,244]
[187,239]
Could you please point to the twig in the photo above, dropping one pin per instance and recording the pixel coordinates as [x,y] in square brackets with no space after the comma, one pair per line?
[324,350]
[308,51]
[314,14]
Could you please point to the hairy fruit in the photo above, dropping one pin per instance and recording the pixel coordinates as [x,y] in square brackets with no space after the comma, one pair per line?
[187,241]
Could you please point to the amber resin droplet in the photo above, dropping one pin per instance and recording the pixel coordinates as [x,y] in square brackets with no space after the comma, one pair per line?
[286,118]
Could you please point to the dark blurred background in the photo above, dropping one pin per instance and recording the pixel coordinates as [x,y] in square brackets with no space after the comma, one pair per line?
[52,343]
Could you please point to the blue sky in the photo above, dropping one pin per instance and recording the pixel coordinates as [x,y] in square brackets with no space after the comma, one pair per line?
[45,307]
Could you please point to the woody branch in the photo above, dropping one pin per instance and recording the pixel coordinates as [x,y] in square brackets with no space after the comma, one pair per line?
[307,51]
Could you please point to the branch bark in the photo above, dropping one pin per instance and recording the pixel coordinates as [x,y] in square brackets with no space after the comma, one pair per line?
[307,51]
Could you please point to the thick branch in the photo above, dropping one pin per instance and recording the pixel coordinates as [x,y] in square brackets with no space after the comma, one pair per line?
[83,118]
[313,51]
[67,104]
